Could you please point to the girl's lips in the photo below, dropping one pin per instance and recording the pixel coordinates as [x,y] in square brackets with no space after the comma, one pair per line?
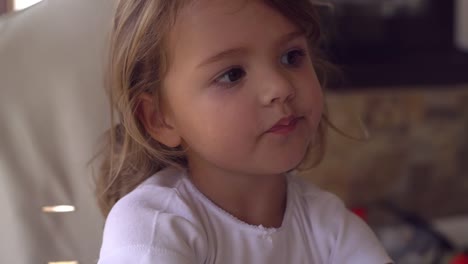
[284,125]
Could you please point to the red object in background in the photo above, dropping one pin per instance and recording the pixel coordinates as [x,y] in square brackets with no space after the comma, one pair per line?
[362,213]
[460,259]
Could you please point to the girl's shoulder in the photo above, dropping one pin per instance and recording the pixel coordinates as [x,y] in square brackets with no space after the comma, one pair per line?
[154,194]
[144,220]
[350,239]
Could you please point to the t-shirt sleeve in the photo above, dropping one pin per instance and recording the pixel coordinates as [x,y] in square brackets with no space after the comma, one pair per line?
[354,242]
[140,231]
[143,254]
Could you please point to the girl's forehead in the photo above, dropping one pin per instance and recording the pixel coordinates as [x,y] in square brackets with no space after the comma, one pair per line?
[200,11]
[218,24]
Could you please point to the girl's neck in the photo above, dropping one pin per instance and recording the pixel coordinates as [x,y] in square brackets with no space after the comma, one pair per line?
[253,199]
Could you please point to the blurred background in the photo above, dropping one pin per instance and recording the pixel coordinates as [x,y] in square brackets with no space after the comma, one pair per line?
[403,79]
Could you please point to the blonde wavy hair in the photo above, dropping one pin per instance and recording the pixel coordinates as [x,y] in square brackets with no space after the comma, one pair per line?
[138,63]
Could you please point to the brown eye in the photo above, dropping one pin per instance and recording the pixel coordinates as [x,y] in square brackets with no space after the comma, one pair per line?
[293,58]
[230,77]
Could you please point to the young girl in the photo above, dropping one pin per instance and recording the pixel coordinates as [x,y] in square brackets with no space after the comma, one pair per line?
[218,101]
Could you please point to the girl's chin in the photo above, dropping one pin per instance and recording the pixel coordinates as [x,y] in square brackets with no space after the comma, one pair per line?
[286,165]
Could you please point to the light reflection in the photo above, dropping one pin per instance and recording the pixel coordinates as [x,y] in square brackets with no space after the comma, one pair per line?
[58,209]
[22,4]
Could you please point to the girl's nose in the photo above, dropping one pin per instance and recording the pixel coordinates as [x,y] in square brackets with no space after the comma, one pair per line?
[277,88]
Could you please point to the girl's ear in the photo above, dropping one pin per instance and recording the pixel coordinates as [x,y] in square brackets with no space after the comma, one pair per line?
[156,123]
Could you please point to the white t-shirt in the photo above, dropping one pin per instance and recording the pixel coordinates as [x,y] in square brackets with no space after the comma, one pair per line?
[166,220]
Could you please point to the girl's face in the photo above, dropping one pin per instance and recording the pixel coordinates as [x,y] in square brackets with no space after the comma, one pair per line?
[237,68]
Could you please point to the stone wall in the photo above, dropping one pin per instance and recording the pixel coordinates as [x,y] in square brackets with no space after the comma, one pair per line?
[417,151]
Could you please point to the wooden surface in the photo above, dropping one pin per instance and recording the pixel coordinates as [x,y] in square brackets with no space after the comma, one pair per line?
[416,155]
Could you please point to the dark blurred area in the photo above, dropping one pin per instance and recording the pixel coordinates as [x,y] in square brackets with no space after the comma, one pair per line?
[394,42]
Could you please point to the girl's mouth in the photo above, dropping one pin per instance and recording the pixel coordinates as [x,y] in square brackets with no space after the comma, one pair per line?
[285,125]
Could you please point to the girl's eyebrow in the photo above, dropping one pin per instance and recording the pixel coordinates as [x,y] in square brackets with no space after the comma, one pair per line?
[291,36]
[238,51]
[224,54]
